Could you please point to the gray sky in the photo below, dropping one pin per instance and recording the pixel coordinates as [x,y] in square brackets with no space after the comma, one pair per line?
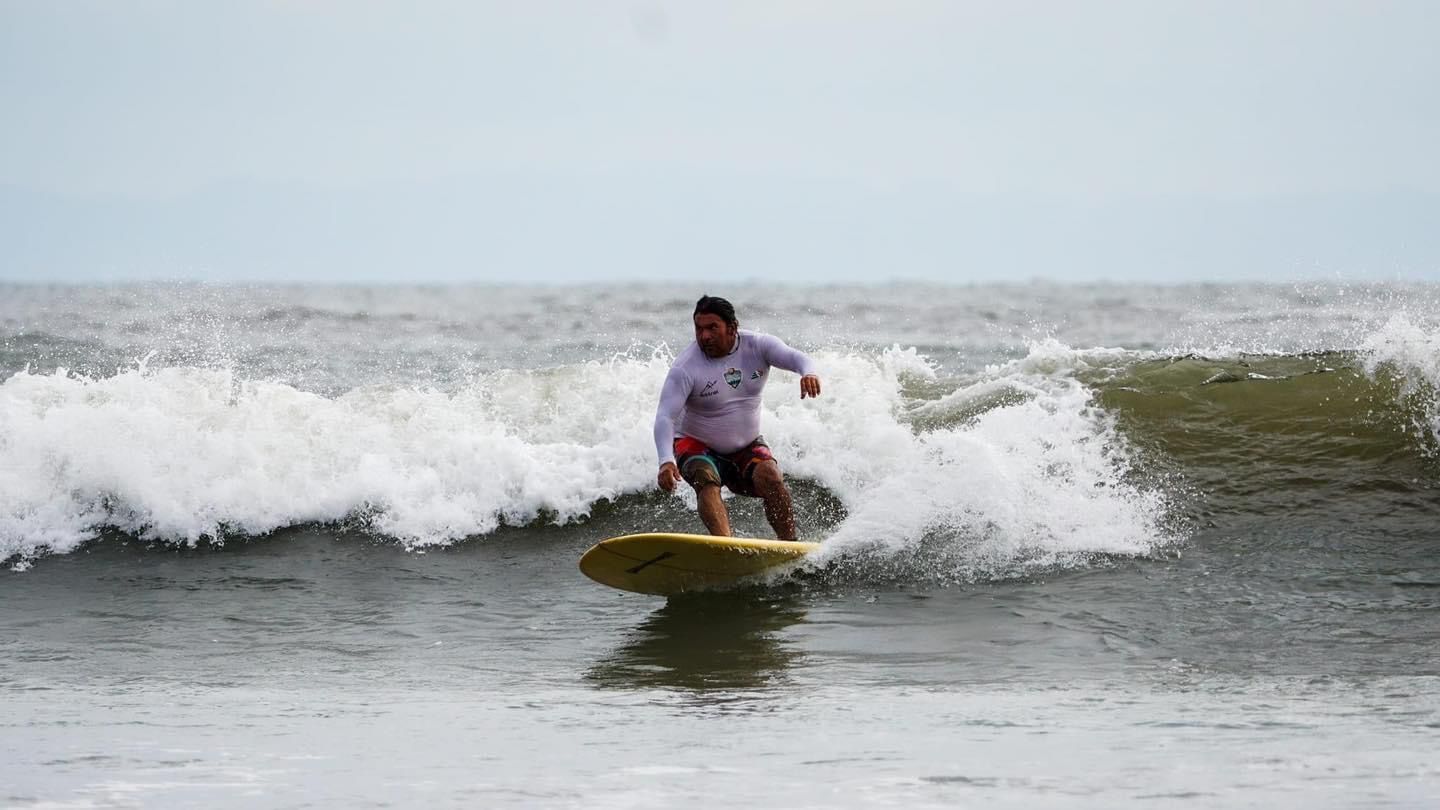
[804,141]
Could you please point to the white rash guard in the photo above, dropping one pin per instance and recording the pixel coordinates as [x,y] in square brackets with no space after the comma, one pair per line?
[717,399]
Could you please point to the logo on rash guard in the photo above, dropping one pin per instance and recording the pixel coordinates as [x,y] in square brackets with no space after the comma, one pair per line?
[733,376]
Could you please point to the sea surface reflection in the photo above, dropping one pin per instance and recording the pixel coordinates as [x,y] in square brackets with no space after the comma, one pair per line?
[707,642]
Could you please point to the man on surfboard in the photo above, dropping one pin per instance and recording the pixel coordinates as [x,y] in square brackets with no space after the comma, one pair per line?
[707,428]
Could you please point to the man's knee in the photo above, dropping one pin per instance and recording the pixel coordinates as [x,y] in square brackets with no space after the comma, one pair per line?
[767,478]
[701,473]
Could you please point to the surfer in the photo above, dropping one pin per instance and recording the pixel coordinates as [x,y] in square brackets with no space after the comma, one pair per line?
[707,428]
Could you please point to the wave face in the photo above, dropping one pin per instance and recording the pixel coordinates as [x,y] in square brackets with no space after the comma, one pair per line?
[915,462]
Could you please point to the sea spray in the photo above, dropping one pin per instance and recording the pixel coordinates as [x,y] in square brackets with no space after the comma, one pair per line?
[1411,352]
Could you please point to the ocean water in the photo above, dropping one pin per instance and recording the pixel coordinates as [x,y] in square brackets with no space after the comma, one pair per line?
[1103,546]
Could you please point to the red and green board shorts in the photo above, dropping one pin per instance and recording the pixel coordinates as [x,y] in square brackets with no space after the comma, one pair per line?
[703,466]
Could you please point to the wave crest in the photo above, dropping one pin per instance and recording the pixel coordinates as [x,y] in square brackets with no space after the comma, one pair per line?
[186,454]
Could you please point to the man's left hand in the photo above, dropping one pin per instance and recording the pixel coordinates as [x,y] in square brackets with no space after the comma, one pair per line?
[809,386]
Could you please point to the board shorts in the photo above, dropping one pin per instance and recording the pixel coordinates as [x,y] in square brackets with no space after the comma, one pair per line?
[702,466]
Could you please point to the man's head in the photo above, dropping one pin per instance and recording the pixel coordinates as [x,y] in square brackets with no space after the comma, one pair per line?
[715,325]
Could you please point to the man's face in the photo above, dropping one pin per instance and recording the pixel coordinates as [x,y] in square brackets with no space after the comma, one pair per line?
[715,336]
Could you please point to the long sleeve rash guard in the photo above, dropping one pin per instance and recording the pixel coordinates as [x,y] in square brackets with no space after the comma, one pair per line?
[717,399]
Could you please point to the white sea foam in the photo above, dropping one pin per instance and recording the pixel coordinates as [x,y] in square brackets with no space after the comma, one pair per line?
[182,454]
[1038,477]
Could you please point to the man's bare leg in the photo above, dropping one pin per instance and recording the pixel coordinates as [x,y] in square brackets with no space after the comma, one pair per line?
[712,510]
[770,485]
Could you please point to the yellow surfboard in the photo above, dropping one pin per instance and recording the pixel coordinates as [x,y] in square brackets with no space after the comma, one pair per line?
[668,564]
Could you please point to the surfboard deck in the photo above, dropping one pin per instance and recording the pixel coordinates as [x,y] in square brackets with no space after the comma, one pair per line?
[666,564]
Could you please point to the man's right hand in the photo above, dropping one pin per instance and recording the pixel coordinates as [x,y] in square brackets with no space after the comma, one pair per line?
[669,476]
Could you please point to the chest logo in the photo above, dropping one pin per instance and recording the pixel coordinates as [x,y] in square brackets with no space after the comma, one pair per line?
[733,377]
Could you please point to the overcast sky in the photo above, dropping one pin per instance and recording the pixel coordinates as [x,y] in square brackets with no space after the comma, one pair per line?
[802,141]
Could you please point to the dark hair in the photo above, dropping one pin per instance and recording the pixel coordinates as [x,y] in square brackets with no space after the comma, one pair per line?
[714,305]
